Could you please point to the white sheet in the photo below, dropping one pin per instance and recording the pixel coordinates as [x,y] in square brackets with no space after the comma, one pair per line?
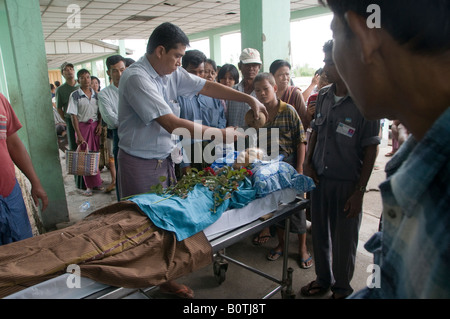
[235,218]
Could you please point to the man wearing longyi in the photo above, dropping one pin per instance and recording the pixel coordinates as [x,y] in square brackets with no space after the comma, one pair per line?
[149,114]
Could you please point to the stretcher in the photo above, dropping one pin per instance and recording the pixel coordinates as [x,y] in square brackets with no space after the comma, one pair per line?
[232,228]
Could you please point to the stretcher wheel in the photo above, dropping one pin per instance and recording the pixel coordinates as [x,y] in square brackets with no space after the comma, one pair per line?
[220,270]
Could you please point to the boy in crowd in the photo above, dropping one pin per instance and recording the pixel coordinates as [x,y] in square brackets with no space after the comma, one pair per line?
[292,145]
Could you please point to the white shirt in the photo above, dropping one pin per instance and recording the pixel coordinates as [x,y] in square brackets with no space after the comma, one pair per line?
[84,108]
[144,96]
[108,102]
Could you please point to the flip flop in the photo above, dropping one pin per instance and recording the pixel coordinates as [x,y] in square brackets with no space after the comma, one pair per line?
[87,193]
[312,289]
[184,292]
[274,255]
[304,263]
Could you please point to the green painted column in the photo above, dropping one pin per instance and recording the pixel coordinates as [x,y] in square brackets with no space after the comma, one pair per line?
[122,48]
[265,26]
[25,69]
[215,48]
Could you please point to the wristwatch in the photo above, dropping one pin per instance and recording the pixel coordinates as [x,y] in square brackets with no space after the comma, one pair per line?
[362,189]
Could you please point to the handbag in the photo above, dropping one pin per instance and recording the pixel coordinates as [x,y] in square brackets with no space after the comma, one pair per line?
[82,163]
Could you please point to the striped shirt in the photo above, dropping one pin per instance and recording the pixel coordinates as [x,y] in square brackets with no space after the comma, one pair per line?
[293,96]
[9,124]
[290,133]
[413,249]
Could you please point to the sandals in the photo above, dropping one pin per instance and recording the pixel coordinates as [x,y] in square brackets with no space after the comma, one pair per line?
[313,289]
[304,262]
[87,193]
[274,255]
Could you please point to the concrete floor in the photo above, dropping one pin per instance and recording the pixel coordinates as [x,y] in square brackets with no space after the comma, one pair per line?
[240,283]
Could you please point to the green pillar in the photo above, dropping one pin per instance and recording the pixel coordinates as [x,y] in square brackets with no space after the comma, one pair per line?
[25,69]
[215,48]
[265,26]
[122,48]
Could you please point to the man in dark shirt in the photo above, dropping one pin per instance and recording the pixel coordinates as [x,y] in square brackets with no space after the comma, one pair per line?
[340,158]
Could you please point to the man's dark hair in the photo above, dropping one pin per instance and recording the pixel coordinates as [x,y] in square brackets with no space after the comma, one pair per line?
[169,36]
[421,25]
[113,60]
[278,64]
[128,62]
[229,68]
[328,47]
[193,58]
[82,72]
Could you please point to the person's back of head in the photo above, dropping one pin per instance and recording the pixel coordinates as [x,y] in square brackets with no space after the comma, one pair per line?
[422,26]
[167,35]
[193,58]
[113,60]
[129,62]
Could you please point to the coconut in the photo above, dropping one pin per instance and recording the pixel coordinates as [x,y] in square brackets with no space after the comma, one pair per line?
[252,122]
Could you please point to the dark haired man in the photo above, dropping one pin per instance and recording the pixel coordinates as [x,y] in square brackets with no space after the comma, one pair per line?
[87,122]
[108,102]
[250,64]
[62,101]
[149,114]
[388,70]
[340,158]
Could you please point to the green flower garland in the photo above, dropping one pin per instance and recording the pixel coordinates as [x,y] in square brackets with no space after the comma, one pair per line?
[222,183]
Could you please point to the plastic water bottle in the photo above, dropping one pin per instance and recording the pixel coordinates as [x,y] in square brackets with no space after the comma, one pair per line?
[85,207]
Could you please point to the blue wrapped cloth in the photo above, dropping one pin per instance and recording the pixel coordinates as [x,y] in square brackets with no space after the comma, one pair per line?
[189,216]
[274,176]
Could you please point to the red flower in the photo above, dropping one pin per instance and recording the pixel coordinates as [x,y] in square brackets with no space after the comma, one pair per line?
[210,170]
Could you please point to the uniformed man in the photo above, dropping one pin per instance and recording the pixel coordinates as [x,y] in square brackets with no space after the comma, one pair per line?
[340,158]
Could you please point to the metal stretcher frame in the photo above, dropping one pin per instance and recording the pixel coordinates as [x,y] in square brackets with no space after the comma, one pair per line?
[283,213]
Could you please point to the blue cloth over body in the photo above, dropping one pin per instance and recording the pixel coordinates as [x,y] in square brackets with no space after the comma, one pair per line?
[189,216]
